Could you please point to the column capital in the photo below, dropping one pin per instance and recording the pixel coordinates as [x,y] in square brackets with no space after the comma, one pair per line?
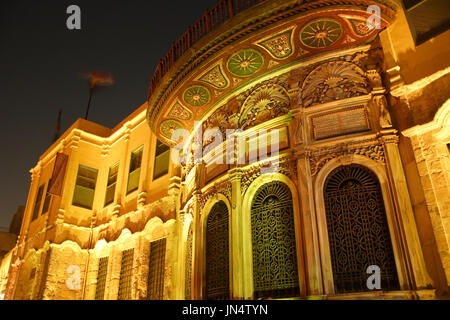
[235,174]
[389,136]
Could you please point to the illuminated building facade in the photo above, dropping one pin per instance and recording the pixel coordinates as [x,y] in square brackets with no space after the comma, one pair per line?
[359,115]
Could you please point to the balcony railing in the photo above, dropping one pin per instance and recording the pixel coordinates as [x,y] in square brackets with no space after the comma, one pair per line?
[212,19]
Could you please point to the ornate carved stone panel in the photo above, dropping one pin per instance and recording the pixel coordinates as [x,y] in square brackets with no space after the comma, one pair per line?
[372,149]
[334,80]
[180,112]
[215,77]
[279,46]
[286,165]
[223,187]
[264,103]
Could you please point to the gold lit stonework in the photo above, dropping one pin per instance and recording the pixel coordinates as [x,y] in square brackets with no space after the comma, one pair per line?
[359,174]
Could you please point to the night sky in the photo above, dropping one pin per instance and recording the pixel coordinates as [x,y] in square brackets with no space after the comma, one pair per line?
[40,64]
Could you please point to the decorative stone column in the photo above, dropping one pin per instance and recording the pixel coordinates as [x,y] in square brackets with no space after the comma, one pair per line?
[178,257]
[197,267]
[404,210]
[241,288]
[197,254]
[313,272]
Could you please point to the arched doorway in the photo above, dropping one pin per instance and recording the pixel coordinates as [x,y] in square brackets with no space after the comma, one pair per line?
[275,272]
[217,253]
[358,231]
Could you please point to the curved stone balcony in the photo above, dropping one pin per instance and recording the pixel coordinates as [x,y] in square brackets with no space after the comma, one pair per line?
[229,49]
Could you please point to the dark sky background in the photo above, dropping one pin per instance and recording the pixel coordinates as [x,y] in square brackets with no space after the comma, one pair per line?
[40,63]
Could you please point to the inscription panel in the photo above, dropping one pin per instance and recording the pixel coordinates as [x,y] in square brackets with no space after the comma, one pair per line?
[340,123]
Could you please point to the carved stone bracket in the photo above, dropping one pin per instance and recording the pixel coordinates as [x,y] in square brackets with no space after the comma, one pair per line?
[142,198]
[116,211]
[60,215]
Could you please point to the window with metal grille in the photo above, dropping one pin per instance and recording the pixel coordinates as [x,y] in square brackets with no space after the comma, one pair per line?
[44,276]
[357,229]
[217,253]
[155,281]
[126,271]
[188,268]
[101,278]
[111,184]
[135,169]
[83,195]
[275,272]
[162,159]
[37,202]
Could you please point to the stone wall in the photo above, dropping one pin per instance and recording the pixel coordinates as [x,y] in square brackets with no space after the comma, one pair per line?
[433,164]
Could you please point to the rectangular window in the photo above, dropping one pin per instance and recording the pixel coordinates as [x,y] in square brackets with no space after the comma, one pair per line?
[48,198]
[162,159]
[135,169]
[38,201]
[155,281]
[111,184]
[83,195]
[126,271]
[101,278]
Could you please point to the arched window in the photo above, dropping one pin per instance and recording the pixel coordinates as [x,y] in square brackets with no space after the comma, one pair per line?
[217,253]
[275,271]
[357,230]
[188,268]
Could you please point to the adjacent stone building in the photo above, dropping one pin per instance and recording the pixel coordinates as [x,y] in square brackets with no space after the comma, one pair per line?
[316,153]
